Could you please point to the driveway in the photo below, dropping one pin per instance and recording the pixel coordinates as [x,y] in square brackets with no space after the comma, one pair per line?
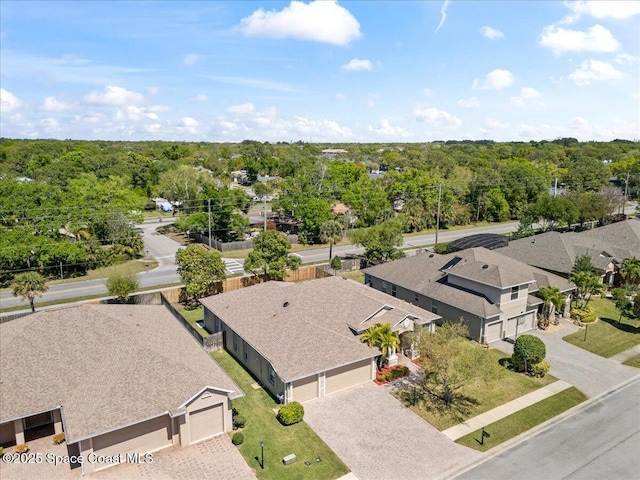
[590,373]
[377,437]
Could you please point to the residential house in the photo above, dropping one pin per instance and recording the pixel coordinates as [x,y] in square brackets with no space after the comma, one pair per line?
[301,340]
[116,379]
[490,292]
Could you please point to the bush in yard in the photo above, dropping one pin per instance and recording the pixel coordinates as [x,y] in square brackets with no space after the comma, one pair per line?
[237,438]
[58,438]
[527,351]
[239,421]
[540,369]
[584,315]
[290,413]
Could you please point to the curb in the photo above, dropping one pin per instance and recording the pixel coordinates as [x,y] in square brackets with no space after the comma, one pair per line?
[523,437]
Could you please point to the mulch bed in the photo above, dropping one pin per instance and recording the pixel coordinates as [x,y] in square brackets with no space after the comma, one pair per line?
[382,371]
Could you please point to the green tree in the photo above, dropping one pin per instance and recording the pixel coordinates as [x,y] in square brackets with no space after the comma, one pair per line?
[336,264]
[331,232]
[553,298]
[381,241]
[270,256]
[496,206]
[630,270]
[583,263]
[367,198]
[28,285]
[199,269]
[383,337]
[121,285]
[528,351]
[587,284]
[313,212]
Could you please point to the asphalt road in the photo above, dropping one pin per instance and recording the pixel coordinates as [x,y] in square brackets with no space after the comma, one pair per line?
[601,442]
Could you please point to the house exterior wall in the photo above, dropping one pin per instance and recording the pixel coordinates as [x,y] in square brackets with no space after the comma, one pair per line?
[7,434]
[492,293]
[210,398]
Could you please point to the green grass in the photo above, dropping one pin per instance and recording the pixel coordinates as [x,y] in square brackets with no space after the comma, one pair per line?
[523,420]
[257,407]
[485,396]
[358,276]
[130,267]
[605,337]
[193,316]
[633,362]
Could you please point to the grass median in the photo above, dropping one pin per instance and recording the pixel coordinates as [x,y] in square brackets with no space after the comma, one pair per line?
[523,420]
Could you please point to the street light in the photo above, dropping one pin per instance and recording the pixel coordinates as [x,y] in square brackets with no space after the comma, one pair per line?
[262,454]
[188,236]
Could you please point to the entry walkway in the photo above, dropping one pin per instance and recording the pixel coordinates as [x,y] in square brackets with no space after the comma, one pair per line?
[505,410]
[626,355]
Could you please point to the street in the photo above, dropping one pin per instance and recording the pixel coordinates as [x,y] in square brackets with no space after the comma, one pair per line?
[600,442]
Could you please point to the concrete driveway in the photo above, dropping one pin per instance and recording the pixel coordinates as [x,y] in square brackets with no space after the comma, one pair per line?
[377,437]
[590,373]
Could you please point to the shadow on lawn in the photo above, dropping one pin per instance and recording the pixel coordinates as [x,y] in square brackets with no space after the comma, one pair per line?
[625,327]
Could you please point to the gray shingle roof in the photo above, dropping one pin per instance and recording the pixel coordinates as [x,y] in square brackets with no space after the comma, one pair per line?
[106,365]
[311,334]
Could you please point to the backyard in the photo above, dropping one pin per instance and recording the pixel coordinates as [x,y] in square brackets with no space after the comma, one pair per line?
[193,316]
[605,337]
[257,406]
[479,396]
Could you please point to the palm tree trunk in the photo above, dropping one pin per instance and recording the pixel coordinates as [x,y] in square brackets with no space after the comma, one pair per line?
[330,250]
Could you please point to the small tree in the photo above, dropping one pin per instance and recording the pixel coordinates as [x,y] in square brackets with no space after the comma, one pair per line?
[527,352]
[630,270]
[270,256]
[29,285]
[121,285]
[331,232]
[199,269]
[587,284]
[583,264]
[554,300]
[336,264]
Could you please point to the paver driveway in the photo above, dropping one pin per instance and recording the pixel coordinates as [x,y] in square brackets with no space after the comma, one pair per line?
[377,437]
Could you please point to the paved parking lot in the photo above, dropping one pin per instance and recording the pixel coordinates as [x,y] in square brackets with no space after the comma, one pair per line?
[377,437]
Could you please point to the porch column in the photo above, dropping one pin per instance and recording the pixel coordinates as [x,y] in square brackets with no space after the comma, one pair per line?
[57,422]
[19,431]
[567,307]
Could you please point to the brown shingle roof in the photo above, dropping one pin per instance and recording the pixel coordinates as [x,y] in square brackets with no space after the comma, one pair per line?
[311,334]
[106,365]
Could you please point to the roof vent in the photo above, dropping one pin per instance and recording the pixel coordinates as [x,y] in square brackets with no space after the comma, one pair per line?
[485,266]
[285,304]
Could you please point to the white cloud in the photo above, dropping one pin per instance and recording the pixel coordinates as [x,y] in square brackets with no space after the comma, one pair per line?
[388,130]
[618,10]
[526,93]
[114,95]
[437,118]
[340,96]
[471,102]
[635,96]
[595,70]
[357,65]
[491,33]
[427,92]
[191,59]
[321,129]
[318,21]
[201,97]
[8,101]
[495,80]
[243,109]
[158,108]
[443,14]
[52,104]
[136,114]
[494,124]
[625,58]
[153,91]
[188,125]
[595,39]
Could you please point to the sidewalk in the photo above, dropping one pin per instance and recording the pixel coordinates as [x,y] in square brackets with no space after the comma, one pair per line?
[505,410]
[626,355]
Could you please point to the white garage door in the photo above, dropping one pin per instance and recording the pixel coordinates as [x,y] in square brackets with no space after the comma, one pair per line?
[206,422]
[140,438]
[526,324]
[348,376]
[305,389]
[493,331]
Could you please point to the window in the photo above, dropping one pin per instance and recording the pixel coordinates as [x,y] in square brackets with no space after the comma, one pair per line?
[272,376]
[393,290]
[235,343]
[384,287]
[245,348]
[434,306]
[514,292]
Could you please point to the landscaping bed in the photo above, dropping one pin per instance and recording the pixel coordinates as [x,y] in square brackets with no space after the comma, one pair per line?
[389,374]
[279,441]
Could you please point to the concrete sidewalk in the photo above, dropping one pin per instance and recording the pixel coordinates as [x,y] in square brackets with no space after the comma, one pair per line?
[626,355]
[505,410]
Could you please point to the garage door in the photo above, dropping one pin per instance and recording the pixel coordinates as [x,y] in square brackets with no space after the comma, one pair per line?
[305,389]
[493,331]
[206,422]
[140,438]
[526,324]
[348,376]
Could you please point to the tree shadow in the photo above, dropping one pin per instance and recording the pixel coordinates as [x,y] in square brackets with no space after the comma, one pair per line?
[625,327]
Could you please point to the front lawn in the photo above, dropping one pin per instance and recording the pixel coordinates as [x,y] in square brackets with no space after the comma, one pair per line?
[523,420]
[633,362]
[605,337]
[479,397]
[261,425]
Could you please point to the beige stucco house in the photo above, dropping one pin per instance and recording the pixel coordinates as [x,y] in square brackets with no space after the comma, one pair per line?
[301,340]
[492,293]
[116,379]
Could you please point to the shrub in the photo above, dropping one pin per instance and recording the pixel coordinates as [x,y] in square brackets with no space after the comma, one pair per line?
[22,448]
[336,263]
[397,372]
[58,438]
[290,413]
[540,369]
[528,350]
[237,438]
[239,421]
[584,315]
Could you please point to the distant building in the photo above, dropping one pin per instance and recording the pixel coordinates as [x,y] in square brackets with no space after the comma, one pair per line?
[333,152]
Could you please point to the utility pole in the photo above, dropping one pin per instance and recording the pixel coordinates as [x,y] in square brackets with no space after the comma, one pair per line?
[626,188]
[555,189]
[438,214]
[264,199]
[209,204]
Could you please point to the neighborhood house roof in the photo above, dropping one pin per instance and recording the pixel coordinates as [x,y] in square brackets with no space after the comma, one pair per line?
[108,366]
[306,328]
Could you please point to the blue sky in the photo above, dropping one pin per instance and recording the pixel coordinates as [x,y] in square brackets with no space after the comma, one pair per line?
[324,71]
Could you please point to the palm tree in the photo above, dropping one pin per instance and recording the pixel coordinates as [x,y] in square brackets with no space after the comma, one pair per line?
[388,340]
[371,335]
[331,232]
[28,285]
[553,298]
[630,270]
[587,284]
